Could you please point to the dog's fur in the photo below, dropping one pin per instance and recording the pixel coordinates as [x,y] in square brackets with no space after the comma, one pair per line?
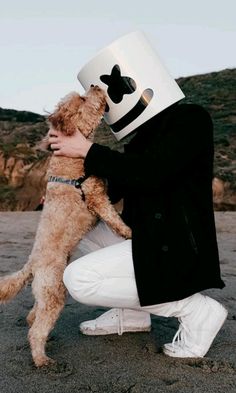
[65,219]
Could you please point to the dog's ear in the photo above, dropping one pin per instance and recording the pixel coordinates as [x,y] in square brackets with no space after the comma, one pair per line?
[60,121]
[54,120]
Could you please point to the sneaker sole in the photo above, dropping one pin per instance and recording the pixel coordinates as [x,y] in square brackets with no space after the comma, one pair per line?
[102,332]
[189,354]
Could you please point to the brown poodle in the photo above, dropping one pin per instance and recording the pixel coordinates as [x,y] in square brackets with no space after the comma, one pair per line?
[71,208]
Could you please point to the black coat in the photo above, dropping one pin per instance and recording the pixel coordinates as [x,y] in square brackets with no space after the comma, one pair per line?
[165,177]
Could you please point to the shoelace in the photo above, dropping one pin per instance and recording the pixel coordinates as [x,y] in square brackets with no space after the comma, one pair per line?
[120,321]
[180,339]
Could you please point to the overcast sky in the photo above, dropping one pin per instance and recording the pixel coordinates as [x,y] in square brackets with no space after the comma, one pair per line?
[43,44]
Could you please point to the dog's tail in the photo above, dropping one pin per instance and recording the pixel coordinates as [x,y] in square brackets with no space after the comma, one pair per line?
[11,284]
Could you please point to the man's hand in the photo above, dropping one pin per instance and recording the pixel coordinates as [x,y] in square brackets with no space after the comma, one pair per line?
[70,146]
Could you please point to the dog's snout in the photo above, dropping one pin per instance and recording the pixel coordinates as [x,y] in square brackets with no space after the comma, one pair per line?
[95,87]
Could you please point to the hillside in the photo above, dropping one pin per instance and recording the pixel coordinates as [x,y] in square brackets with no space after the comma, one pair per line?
[216,91]
[23,166]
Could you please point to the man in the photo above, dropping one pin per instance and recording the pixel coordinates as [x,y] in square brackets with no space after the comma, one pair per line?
[165,179]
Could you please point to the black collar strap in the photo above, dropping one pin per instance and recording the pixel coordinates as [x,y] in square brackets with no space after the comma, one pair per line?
[77,183]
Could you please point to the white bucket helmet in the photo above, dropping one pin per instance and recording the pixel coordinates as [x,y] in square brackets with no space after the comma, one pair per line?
[137,84]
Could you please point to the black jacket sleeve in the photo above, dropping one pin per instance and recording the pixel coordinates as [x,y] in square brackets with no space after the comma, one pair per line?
[188,136]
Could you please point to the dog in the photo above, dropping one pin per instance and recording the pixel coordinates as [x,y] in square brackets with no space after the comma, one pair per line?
[72,206]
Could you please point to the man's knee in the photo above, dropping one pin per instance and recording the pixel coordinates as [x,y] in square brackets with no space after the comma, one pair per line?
[82,284]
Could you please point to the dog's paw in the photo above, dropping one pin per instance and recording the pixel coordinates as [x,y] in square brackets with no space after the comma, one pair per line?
[44,361]
[127,233]
[57,369]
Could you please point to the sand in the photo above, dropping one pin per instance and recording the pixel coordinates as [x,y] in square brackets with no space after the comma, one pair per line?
[131,363]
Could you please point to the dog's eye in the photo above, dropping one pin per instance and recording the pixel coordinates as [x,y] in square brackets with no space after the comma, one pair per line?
[83,98]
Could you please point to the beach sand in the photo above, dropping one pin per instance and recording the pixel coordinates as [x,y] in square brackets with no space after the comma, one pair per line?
[131,363]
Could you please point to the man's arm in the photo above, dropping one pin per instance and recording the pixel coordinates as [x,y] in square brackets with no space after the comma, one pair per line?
[188,136]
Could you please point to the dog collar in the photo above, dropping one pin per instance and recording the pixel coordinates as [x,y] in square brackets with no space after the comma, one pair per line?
[77,183]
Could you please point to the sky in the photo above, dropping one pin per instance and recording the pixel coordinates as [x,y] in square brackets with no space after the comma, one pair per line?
[44,44]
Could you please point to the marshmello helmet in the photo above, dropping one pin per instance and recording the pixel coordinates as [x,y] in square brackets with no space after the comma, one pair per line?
[137,84]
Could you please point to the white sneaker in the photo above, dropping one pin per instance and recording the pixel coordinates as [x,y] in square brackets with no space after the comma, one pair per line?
[198,328]
[117,321]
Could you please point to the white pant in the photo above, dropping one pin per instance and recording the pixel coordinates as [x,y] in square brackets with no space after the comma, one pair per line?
[104,275]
